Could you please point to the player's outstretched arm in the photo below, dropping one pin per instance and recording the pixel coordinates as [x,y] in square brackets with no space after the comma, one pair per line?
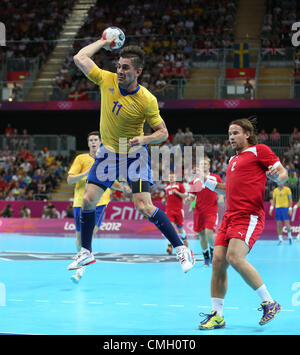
[215,186]
[83,58]
[72,178]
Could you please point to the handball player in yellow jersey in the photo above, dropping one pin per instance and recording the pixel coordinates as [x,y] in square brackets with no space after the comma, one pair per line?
[77,175]
[125,107]
[282,201]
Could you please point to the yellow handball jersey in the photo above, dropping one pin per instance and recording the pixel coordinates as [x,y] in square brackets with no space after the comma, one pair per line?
[81,164]
[123,113]
[281,197]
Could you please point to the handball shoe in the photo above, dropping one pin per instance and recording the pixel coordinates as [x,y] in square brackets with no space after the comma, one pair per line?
[186,258]
[212,321]
[83,258]
[270,311]
[78,275]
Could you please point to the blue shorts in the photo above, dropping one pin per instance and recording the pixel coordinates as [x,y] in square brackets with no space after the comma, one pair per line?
[99,216]
[282,214]
[109,166]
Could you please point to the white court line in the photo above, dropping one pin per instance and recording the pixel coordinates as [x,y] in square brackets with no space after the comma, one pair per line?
[15,300]
[149,304]
[42,301]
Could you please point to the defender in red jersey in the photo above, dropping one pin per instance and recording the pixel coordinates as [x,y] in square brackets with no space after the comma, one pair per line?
[243,220]
[206,210]
[175,194]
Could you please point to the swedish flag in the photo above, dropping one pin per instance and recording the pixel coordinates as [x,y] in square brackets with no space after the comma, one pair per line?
[241,55]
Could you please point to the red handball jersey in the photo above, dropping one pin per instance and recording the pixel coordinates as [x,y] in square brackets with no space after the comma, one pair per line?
[246,179]
[174,202]
[206,201]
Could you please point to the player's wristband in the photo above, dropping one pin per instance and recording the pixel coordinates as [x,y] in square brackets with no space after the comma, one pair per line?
[211,184]
[290,209]
[295,207]
[271,208]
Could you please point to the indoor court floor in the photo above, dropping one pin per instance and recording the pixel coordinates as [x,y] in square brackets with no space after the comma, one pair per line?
[134,288]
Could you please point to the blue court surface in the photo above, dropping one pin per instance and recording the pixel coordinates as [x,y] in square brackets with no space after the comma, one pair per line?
[135,288]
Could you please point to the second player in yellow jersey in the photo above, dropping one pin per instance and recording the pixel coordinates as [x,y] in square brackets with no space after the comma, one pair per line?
[282,201]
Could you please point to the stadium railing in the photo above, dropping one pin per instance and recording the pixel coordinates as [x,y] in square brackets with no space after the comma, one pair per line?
[195,58]
[57,144]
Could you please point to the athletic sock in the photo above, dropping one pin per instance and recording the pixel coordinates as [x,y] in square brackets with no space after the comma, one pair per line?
[263,293]
[162,222]
[217,305]
[87,224]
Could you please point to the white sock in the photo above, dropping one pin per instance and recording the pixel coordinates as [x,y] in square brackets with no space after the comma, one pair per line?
[177,249]
[264,294]
[280,238]
[217,305]
[290,235]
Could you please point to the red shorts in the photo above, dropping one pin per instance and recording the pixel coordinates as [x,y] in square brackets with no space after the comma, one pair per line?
[242,226]
[205,221]
[175,216]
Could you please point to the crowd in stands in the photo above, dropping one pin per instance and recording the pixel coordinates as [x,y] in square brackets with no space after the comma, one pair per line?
[168,31]
[25,175]
[32,26]
[278,20]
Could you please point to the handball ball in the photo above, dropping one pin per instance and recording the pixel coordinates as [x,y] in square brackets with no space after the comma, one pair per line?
[111,32]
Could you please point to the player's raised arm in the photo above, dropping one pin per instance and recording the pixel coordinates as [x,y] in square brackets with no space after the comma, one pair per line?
[83,58]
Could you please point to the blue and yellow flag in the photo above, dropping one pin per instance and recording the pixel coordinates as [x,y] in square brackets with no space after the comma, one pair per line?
[241,55]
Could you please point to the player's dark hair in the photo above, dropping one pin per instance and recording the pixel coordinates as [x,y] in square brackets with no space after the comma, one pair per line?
[248,125]
[94,133]
[135,53]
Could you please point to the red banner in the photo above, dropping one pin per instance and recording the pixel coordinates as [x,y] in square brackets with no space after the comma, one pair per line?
[17,75]
[240,73]
[163,104]
[114,211]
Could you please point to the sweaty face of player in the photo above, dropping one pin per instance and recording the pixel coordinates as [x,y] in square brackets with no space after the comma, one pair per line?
[238,138]
[94,143]
[127,74]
